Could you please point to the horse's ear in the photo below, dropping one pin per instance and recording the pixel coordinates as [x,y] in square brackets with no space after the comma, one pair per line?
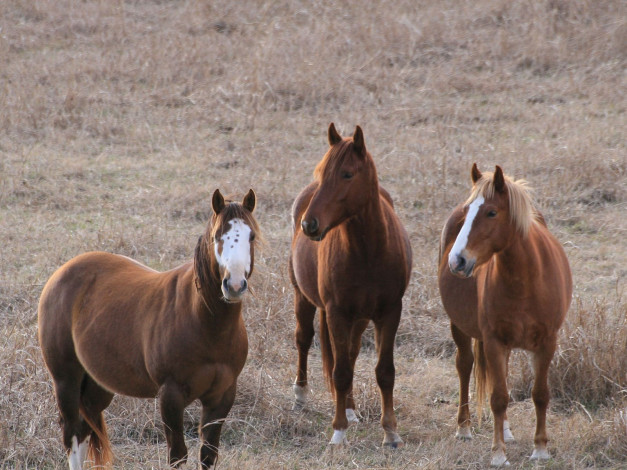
[499,179]
[475,174]
[217,201]
[358,140]
[334,136]
[249,200]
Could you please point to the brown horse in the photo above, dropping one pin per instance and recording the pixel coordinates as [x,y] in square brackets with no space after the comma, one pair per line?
[504,281]
[352,260]
[108,324]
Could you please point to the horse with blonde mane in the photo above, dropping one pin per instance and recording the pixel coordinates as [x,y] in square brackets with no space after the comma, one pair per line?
[108,324]
[505,281]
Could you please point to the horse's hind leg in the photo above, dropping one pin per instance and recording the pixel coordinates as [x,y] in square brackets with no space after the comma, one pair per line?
[463,361]
[540,394]
[93,401]
[74,429]
[385,333]
[305,313]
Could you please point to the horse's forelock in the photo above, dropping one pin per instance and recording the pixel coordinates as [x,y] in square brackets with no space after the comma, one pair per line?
[334,159]
[521,206]
[233,210]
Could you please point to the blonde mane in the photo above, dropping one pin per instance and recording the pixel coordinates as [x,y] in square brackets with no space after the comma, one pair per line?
[522,210]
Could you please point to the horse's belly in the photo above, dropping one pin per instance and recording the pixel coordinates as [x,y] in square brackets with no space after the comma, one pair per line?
[116,369]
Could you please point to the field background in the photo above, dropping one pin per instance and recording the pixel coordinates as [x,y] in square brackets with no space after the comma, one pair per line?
[119,118]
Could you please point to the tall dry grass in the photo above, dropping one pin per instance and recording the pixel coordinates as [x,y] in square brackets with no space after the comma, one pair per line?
[118,119]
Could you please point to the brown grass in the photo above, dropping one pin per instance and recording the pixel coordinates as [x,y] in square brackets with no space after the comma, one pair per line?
[118,119]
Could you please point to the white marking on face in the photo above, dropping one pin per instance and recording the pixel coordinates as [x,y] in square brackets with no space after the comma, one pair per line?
[462,237]
[235,256]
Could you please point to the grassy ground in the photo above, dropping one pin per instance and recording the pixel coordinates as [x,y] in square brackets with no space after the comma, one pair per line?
[119,119]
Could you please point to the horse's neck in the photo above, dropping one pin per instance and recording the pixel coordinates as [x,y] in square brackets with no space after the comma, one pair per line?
[208,302]
[517,263]
[368,229]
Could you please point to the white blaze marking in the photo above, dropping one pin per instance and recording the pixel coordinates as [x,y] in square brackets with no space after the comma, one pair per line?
[235,256]
[462,237]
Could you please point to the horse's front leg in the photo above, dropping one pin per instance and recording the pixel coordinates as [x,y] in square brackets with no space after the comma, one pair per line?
[213,415]
[305,313]
[385,333]
[496,358]
[339,332]
[540,394]
[463,361]
[172,404]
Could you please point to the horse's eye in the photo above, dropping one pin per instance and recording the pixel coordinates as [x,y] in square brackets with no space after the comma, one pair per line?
[492,214]
[347,175]
[252,236]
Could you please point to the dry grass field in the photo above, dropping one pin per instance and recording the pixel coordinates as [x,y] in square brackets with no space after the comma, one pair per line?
[119,118]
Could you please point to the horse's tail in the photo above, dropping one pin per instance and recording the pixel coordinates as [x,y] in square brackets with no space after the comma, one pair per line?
[482,379]
[326,351]
[99,445]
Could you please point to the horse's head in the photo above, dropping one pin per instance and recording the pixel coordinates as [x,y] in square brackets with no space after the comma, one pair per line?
[345,183]
[498,208]
[233,230]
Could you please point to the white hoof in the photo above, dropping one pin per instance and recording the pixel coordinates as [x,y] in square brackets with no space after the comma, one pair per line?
[499,459]
[300,393]
[507,433]
[463,433]
[392,440]
[338,438]
[351,416]
[540,453]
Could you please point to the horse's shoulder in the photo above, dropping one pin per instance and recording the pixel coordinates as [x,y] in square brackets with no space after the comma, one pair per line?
[302,201]
[451,228]
[386,195]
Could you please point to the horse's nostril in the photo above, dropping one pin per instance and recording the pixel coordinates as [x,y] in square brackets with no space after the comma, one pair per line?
[244,285]
[311,227]
[225,284]
[461,263]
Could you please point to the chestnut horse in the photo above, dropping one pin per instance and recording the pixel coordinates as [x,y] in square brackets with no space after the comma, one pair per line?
[352,260]
[108,324]
[504,281]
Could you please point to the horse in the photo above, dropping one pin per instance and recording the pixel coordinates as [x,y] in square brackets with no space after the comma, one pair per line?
[350,259]
[108,324]
[505,282]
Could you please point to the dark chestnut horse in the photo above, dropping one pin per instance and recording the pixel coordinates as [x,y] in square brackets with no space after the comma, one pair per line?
[504,281]
[352,260]
[108,324]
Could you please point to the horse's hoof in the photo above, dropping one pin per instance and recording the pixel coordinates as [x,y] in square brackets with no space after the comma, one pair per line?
[392,441]
[540,454]
[338,438]
[463,434]
[499,459]
[298,405]
[351,416]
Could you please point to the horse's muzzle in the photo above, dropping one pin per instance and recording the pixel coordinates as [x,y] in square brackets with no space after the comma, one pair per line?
[233,293]
[462,266]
